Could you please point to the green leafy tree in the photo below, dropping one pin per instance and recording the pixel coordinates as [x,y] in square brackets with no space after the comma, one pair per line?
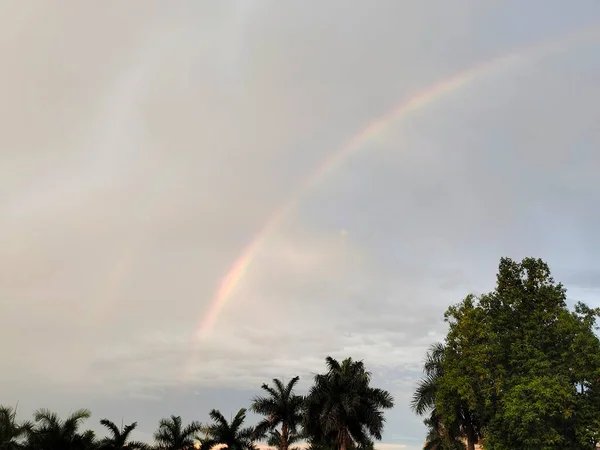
[342,409]
[172,435]
[12,432]
[281,407]
[52,433]
[232,436]
[526,366]
[119,437]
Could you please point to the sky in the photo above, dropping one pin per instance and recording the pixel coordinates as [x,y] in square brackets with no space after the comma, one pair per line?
[145,145]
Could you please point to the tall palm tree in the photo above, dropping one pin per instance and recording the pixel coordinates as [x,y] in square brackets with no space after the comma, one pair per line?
[52,433]
[172,435]
[118,439]
[229,435]
[12,433]
[280,407]
[342,408]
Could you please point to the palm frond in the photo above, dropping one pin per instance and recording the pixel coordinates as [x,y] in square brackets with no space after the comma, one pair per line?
[216,416]
[112,428]
[72,422]
[423,398]
[138,445]
[238,419]
[191,429]
[262,429]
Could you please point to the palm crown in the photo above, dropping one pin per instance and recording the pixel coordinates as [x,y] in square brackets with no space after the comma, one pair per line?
[280,407]
[230,435]
[52,433]
[118,439]
[12,433]
[342,408]
[172,435]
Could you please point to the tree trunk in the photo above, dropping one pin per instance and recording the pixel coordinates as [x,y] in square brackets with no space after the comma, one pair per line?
[344,440]
[343,444]
[471,435]
[471,438]
[285,436]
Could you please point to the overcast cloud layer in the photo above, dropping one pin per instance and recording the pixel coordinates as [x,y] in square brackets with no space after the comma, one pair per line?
[144,144]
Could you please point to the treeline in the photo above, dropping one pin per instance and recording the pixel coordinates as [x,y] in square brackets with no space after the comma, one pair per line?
[341,411]
[517,370]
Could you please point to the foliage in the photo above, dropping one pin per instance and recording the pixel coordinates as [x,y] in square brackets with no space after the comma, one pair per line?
[52,433]
[230,435]
[12,433]
[118,439]
[280,407]
[522,367]
[342,409]
[172,435]
[441,436]
[275,440]
[438,438]
[342,412]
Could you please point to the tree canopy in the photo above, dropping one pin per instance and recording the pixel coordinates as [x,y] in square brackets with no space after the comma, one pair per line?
[519,368]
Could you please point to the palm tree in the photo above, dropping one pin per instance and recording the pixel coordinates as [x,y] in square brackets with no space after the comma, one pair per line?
[280,407]
[437,437]
[12,433]
[229,435]
[52,433]
[275,439]
[118,437]
[171,435]
[423,402]
[343,409]
[423,399]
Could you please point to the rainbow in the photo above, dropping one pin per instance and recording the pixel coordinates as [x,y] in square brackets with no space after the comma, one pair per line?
[356,143]
[373,129]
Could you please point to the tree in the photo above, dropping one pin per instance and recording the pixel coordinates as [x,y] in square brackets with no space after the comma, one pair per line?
[12,433]
[229,435]
[342,409]
[275,439]
[118,439]
[438,438]
[280,407]
[52,433]
[423,400]
[442,436]
[172,435]
[525,366]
